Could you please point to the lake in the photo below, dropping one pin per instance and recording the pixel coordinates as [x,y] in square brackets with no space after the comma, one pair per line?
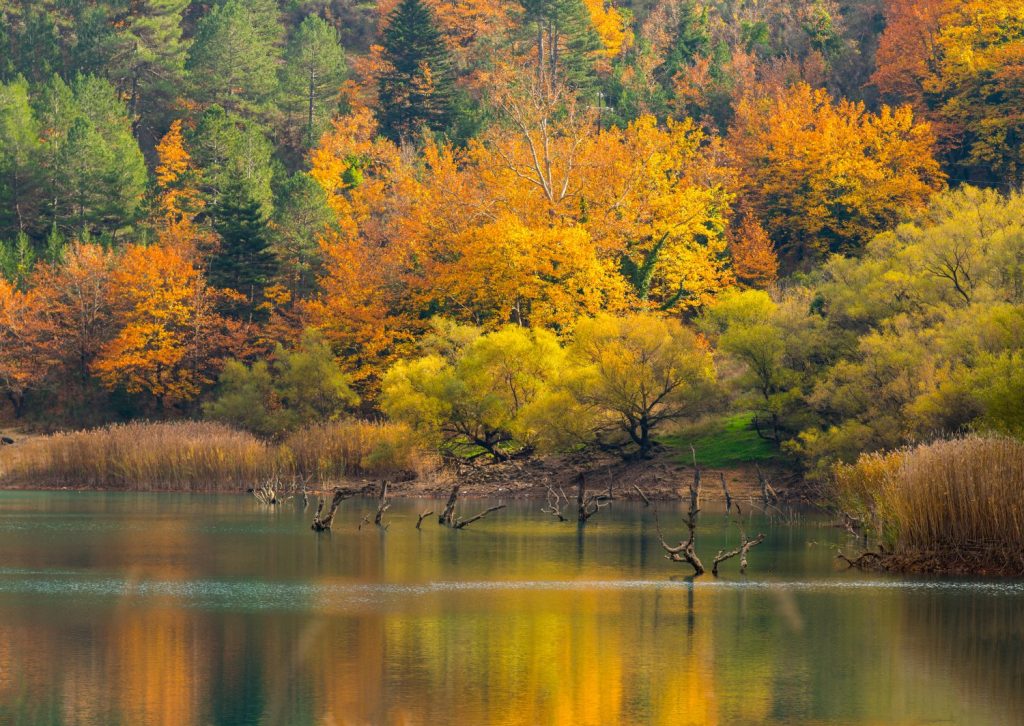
[195,609]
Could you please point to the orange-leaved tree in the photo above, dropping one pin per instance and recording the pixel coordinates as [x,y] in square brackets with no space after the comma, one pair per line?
[167,338]
[824,175]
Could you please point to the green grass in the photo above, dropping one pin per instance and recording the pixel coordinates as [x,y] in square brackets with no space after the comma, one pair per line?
[721,442]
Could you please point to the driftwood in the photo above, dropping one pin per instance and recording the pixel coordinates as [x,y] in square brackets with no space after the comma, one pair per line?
[449,519]
[587,505]
[423,516]
[382,505]
[323,524]
[365,520]
[555,502]
[863,560]
[745,545]
[684,551]
[647,502]
[460,523]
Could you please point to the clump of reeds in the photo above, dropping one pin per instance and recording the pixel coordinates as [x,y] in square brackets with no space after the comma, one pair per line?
[352,448]
[186,456]
[197,456]
[962,498]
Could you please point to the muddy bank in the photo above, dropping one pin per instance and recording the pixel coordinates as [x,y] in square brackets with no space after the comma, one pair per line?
[659,479]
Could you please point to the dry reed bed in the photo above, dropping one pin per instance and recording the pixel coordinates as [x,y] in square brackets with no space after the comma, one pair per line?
[957,504]
[199,456]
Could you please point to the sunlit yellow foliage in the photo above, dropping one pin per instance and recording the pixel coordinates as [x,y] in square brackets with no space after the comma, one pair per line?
[612,27]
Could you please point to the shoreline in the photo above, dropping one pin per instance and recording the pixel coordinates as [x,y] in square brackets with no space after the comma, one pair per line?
[660,479]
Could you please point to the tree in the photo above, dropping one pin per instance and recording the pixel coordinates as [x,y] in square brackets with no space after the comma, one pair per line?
[95,174]
[754,261]
[25,350]
[243,261]
[78,298]
[314,68]
[300,221]
[825,176]
[294,388]
[233,60]
[226,149]
[690,41]
[416,89]
[147,61]
[566,43]
[633,374]
[476,399]
[21,192]
[166,334]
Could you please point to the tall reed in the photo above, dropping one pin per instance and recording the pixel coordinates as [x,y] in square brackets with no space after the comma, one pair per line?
[352,448]
[198,456]
[962,497]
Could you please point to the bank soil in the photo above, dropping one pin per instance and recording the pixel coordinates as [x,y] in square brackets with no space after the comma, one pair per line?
[659,479]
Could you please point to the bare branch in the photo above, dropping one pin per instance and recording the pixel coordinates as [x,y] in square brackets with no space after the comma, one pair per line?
[461,523]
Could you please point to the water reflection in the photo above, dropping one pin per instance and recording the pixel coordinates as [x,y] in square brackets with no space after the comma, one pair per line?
[195,610]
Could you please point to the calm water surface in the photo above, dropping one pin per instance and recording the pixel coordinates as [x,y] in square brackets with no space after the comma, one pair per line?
[189,609]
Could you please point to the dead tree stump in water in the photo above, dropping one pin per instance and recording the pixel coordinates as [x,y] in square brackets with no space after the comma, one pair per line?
[323,524]
[587,505]
[448,518]
[382,505]
[725,491]
[768,493]
[447,515]
[695,484]
[685,550]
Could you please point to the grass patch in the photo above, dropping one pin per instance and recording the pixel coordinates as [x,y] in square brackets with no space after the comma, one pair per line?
[721,442]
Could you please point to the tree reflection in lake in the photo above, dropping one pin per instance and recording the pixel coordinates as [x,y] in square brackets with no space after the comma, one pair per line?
[181,610]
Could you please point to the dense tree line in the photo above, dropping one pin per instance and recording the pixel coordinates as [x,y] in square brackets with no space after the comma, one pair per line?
[203,191]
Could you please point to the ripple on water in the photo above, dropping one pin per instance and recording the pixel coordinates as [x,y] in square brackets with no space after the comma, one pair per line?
[263,595]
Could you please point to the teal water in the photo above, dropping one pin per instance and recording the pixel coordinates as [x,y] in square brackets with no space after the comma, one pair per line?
[196,609]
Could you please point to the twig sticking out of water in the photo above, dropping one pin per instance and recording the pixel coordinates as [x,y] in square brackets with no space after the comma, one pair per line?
[555,502]
[423,515]
[745,545]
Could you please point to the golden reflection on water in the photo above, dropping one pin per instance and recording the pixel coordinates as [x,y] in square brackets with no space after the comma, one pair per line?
[515,654]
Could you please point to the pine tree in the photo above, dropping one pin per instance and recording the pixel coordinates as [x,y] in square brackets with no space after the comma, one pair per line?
[20,191]
[226,148]
[566,42]
[691,41]
[418,89]
[312,75]
[95,174]
[244,262]
[148,62]
[233,61]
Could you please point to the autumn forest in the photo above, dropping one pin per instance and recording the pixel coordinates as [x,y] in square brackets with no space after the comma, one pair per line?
[517,227]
